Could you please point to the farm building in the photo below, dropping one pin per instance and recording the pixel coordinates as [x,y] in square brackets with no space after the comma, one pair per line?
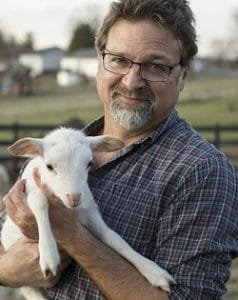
[41,61]
[83,62]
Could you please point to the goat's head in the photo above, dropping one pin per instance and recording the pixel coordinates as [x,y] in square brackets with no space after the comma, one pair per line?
[64,157]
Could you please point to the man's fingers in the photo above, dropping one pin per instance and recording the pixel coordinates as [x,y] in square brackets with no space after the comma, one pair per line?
[15,200]
[18,210]
[17,189]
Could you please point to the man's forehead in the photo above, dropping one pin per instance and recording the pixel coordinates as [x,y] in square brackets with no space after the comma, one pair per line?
[142,40]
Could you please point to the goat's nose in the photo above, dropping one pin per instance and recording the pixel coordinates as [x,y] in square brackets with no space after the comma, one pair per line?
[74,199]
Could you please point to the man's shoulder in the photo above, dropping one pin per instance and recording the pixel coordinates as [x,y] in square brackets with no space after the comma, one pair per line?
[180,141]
[181,150]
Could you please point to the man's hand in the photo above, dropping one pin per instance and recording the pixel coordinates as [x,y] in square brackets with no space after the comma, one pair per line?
[18,210]
[20,266]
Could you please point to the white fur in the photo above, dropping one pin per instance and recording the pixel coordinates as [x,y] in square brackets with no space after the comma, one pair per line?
[69,152]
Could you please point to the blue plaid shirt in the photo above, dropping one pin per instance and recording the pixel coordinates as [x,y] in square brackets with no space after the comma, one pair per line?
[174,198]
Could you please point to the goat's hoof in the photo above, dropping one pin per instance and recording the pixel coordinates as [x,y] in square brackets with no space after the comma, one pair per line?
[161,279]
[49,266]
[158,277]
[46,273]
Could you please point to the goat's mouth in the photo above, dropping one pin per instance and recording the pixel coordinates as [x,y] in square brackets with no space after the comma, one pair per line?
[73,200]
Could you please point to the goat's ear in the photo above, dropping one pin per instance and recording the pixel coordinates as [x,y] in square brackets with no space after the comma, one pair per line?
[105,143]
[27,147]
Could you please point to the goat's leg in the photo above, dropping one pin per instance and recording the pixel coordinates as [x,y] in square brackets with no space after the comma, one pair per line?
[31,293]
[150,270]
[49,255]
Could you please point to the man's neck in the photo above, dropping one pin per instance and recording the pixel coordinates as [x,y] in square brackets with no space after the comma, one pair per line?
[125,135]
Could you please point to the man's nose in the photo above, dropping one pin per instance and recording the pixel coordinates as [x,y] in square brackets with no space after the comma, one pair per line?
[133,79]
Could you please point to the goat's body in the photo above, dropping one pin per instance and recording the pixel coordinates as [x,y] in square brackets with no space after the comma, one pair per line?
[88,213]
[49,256]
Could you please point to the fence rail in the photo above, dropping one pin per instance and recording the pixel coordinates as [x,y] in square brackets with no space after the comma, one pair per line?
[217,132]
[220,136]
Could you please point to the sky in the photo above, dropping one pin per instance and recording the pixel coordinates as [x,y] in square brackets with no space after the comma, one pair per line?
[51,21]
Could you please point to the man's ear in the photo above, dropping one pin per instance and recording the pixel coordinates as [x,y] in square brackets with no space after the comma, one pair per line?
[183,77]
[27,147]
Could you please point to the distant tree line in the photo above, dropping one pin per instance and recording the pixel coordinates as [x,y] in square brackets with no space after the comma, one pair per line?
[84,27]
[10,47]
[83,35]
[227,48]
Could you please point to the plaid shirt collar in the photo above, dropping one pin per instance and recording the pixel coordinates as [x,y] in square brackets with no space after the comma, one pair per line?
[97,125]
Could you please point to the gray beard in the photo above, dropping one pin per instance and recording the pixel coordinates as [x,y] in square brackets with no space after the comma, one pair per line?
[131,118]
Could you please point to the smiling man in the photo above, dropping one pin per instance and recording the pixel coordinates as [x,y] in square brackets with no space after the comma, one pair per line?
[168,193]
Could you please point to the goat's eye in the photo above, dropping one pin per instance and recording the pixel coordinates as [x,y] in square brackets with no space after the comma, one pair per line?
[49,167]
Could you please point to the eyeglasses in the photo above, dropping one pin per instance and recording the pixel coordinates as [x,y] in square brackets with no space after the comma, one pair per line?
[149,71]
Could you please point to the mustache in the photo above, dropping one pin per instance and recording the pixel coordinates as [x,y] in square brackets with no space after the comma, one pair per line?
[144,93]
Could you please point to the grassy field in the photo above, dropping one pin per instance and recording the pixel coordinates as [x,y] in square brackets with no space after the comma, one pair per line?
[205,101]
[202,102]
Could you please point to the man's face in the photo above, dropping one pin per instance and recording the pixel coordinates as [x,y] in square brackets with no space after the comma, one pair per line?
[129,100]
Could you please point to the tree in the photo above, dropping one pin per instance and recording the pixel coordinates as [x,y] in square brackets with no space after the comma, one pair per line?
[82,37]
[227,48]
[11,47]
[3,45]
[234,39]
[28,43]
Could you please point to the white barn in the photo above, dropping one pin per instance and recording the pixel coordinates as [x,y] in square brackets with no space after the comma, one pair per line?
[83,62]
[46,60]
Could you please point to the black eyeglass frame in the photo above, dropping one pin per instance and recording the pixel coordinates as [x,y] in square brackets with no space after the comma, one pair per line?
[170,68]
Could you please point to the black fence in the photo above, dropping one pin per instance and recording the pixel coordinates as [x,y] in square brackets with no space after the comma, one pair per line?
[223,137]
[9,134]
[217,132]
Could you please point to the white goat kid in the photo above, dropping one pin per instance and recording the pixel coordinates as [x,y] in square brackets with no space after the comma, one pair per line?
[63,157]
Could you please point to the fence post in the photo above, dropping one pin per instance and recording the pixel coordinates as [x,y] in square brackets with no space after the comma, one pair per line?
[15,131]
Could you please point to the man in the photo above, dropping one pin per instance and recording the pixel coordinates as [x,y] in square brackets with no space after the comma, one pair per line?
[169,193]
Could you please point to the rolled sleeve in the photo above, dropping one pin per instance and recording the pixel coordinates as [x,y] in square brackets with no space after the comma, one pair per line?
[197,233]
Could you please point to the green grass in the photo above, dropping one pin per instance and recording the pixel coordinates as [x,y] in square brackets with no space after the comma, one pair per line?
[222,111]
[232,285]
[210,101]
[207,101]
[51,108]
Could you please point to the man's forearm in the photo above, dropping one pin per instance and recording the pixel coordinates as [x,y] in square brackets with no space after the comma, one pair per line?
[1,249]
[115,277]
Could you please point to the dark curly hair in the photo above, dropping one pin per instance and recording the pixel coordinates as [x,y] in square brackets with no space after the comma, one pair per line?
[175,15]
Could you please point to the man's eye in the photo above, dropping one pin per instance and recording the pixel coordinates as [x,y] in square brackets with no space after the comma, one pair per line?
[120,61]
[157,68]
[49,167]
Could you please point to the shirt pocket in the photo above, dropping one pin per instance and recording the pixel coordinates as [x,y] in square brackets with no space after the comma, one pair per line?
[133,214]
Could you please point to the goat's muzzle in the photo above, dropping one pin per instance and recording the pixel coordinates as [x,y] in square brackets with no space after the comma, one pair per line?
[74,199]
